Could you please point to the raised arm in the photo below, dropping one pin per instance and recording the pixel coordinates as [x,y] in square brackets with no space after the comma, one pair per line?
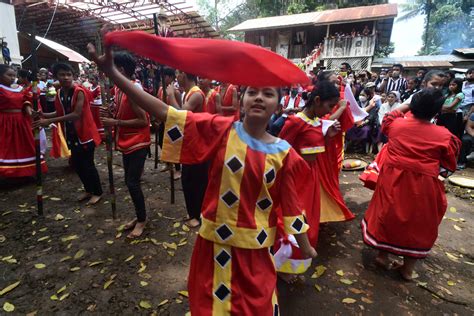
[141,98]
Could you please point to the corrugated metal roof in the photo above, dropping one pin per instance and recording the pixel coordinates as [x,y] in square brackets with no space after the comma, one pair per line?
[338,16]
[465,51]
[423,58]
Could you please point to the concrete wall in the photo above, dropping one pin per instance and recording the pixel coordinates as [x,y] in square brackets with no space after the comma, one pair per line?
[8,31]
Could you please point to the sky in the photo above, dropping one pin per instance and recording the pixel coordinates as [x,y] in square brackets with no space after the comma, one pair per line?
[406,35]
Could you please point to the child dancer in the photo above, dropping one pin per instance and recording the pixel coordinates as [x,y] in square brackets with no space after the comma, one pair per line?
[232,270]
[409,201]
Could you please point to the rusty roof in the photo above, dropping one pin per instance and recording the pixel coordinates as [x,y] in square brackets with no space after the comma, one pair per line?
[336,16]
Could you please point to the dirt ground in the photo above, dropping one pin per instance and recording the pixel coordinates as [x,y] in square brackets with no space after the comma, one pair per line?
[76,261]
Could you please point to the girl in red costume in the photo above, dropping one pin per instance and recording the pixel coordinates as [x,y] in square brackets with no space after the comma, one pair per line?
[232,270]
[17,145]
[409,201]
[308,135]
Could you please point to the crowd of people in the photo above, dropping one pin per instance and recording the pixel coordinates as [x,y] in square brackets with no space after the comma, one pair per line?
[259,165]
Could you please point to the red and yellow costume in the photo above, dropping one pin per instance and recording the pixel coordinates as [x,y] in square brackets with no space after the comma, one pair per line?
[232,270]
[333,207]
[306,136]
[17,145]
[96,103]
[409,201]
[227,99]
[85,126]
[210,105]
[192,91]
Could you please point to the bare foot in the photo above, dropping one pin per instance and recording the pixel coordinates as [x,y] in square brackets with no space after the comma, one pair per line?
[177,175]
[405,273]
[130,225]
[137,231]
[94,199]
[83,196]
[192,223]
[291,279]
[166,167]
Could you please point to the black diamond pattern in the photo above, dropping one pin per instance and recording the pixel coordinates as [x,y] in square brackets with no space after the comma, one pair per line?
[222,292]
[275,310]
[224,232]
[297,224]
[174,133]
[222,258]
[262,237]
[229,198]
[270,175]
[234,164]
[264,204]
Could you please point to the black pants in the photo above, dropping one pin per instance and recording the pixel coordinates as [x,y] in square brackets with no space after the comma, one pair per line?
[133,164]
[82,158]
[467,141]
[453,122]
[194,182]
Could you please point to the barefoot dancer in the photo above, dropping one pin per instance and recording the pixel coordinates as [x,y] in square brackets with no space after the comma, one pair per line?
[232,270]
[73,111]
[132,139]
[309,135]
[409,201]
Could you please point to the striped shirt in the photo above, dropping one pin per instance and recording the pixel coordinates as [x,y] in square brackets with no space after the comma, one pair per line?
[399,85]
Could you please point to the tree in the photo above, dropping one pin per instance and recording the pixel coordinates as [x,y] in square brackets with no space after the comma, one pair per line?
[442,17]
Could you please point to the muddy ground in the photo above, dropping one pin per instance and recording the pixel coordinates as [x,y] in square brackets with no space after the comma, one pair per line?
[75,261]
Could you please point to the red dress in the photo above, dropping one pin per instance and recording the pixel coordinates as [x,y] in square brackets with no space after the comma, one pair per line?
[17,144]
[232,270]
[333,207]
[306,136]
[409,201]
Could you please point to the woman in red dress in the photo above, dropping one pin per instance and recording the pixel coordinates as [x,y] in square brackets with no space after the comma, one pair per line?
[17,145]
[409,201]
[308,135]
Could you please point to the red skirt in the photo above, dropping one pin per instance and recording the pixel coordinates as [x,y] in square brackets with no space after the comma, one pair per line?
[17,146]
[225,280]
[288,256]
[404,213]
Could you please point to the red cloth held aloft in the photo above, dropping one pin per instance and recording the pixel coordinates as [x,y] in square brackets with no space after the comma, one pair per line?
[223,60]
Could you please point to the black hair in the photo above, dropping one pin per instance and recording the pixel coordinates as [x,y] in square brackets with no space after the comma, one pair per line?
[61,66]
[324,75]
[347,66]
[244,89]
[4,69]
[325,90]
[427,103]
[126,61]
[422,69]
[191,77]
[433,73]
[168,71]
[25,73]
[399,66]
[458,83]
[470,70]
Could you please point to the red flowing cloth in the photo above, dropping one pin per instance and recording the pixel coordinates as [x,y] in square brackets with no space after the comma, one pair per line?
[223,60]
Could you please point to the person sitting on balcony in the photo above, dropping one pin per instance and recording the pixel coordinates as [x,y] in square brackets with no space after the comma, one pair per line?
[396,82]
[366,31]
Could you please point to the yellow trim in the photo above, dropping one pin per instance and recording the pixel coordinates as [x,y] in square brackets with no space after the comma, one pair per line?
[300,266]
[65,152]
[275,302]
[312,150]
[288,221]
[22,166]
[241,237]
[314,122]
[231,181]
[222,275]
[172,150]
[330,210]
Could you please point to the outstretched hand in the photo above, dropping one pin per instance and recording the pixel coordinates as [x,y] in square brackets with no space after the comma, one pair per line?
[105,62]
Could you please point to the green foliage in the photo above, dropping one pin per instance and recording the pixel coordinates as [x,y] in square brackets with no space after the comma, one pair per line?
[447,24]
[383,51]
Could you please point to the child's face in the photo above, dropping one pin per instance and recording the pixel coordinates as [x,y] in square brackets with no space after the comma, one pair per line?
[391,98]
[411,84]
[65,78]
[260,103]
[383,97]
[453,86]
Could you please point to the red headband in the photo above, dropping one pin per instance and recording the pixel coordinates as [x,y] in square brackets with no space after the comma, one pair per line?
[223,60]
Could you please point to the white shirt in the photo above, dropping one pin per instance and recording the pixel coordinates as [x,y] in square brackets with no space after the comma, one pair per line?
[291,102]
[386,108]
[468,90]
